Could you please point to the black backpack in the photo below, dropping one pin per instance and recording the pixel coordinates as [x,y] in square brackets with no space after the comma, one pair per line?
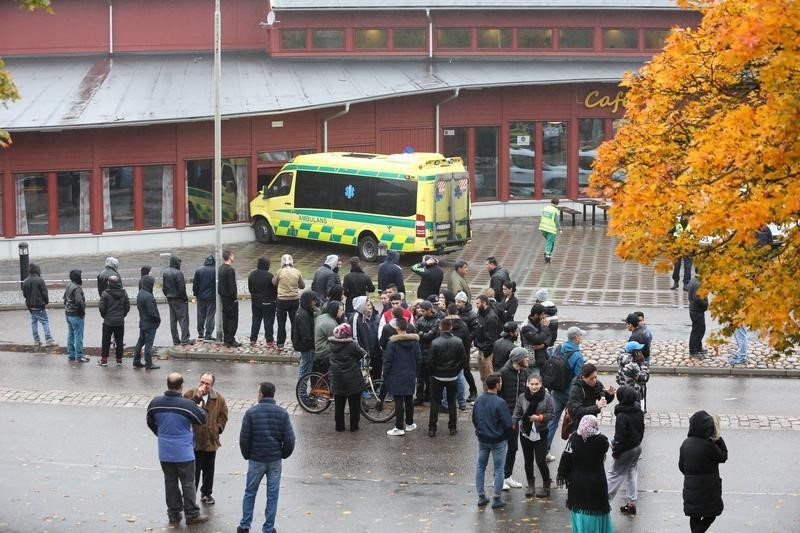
[556,374]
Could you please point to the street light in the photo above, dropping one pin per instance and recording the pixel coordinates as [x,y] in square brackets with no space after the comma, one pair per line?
[24,262]
[218,158]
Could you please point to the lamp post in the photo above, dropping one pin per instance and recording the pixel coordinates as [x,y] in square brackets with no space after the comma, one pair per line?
[217,158]
[24,262]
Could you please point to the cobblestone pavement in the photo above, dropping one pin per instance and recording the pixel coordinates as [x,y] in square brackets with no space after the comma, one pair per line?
[240,405]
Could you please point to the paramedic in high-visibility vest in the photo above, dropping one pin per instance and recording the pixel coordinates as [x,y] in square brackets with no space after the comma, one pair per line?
[550,228]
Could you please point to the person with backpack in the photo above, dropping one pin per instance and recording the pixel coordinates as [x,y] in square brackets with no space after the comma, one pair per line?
[570,353]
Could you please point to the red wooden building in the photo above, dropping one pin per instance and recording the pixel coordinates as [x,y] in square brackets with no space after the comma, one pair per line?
[113,136]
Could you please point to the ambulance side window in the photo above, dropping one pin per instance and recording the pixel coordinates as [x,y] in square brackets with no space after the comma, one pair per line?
[281,185]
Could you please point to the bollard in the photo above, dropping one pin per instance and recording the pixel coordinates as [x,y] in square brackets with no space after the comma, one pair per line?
[381,253]
[24,262]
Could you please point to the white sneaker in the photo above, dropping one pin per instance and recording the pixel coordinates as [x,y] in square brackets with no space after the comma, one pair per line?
[394,432]
[506,486]
[550,458]
[412,427]
[512,483]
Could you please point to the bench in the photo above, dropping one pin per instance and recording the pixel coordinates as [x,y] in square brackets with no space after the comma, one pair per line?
[605,208]
[568,210]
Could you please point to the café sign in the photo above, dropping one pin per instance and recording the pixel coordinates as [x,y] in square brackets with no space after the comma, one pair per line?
[594,99]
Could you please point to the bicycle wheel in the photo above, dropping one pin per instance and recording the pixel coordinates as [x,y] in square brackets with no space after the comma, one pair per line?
[372,407]
[314,392]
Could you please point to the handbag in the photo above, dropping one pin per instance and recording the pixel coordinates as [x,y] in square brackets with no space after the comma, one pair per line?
[565,432]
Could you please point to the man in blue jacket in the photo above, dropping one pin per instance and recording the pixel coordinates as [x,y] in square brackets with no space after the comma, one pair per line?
[170,418]
[492,422]
[265,440]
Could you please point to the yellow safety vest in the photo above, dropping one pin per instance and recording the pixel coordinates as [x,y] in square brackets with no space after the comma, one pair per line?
[548,222]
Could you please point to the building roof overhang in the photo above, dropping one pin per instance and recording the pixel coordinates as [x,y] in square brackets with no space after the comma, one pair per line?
[457,5]
[90,91]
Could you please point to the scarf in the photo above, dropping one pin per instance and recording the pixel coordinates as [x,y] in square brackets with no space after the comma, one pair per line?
[533,404]
[588,427]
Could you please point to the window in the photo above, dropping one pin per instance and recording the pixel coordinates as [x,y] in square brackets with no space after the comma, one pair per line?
[455,38]
[393,197]
[372,39]
[73,201]
[281,186]
[535,38]
[655,39]
[31,203]
[522,168]
[621,38]
[235,193]
[576,38]
[200,187]
[293,39]
[554,159]
[591,133]
[494,38]
[157,196]
[1,204]
[313,190]
[327,39]
[408,38]
[486,162]
[118,198]
[351,193]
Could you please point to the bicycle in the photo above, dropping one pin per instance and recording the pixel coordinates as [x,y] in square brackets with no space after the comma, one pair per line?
[315,395]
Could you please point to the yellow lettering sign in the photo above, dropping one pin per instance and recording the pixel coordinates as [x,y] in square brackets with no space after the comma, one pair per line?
[593,99]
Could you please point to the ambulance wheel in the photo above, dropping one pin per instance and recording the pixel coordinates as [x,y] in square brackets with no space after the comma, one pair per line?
[368,248]
[263,231]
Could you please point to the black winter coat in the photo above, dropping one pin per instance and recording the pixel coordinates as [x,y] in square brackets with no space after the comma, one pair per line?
[400,362]
[303,331]
[697,303]
[699,462]
[114,305]
[499,275]
[487,331]
[227,282]
[427,329]
[461,330]
[536,334]
[102,278]
[639,336]
[34,289]
[629,428]
[259,283]
[74,300]
[446,356]
[346,378]
[173,284]
[431,278]
[514,384]
[507,309]
[356,283]
[324,280]
[204,279]
[501,350]
[149,317]
[390,273]
[587,486]
[582,400]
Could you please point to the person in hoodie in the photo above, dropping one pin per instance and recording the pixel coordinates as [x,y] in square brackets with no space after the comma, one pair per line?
[431,277]
[303,334]
[503,346]
[149,320]
[203,287]
[326,277]
[700,456]
[401,360]
[145,271]
[114,307]
[390,273]
[324,324]
[264,301]
[173,284]
[626,448]
[290,282]
[550,311]
[75,311]
[228,295]
[356,283]
[346,380]
[36,299]
[358,322]
[111,269]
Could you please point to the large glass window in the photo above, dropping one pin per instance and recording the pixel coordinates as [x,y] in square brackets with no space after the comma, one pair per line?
[235,194]
[157,194]
[293,39]
[73,201]
[495,38]
[655,39]
[1,204]
[486,162]
[118,198]
[199,185]
[621,38]
[591,133]
[455,38]
[535,38]
[375,38]
[329,39]
[576,38]
[313,190]
[351,193]
[393,197]
[554,159]
[408,37]
[521,142]
[31,203]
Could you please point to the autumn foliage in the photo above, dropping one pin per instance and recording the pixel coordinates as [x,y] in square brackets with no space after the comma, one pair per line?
[714,132]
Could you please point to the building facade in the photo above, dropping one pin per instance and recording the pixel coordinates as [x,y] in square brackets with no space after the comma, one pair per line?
[113,138]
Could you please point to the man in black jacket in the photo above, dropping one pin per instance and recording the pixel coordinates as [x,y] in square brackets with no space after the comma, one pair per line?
[75,311]
[461,330]
[498,274]
[515,376]
[698,305]
[356,283]
[203,288]
[228,292]
[503,346]
[486,333]
[264,301]
[427,328]
[173,284]
[390,273]
[634,324]
[36,299]
[149,320]
[445,360]
[431,276]
[114,307]
[536,335]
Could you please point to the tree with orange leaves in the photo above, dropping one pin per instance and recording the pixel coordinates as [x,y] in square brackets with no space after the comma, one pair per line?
[713,132]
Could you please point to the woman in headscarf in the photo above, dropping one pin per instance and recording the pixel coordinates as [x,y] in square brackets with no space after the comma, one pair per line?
[581,470]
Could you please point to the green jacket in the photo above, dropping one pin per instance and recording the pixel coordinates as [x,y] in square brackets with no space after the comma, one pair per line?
[323,328]
[456,283]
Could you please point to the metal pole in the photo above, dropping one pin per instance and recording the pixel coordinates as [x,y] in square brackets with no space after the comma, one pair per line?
[218,158]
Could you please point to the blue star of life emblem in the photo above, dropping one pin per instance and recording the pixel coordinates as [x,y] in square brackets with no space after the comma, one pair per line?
[458,192]
[350,192]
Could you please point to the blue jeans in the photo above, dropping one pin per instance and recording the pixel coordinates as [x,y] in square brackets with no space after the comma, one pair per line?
[461,391]
[740,334]
[74,337]
[255,471]
[306,363]
[40,315]
[498,451]
[145,341]
[560,399]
